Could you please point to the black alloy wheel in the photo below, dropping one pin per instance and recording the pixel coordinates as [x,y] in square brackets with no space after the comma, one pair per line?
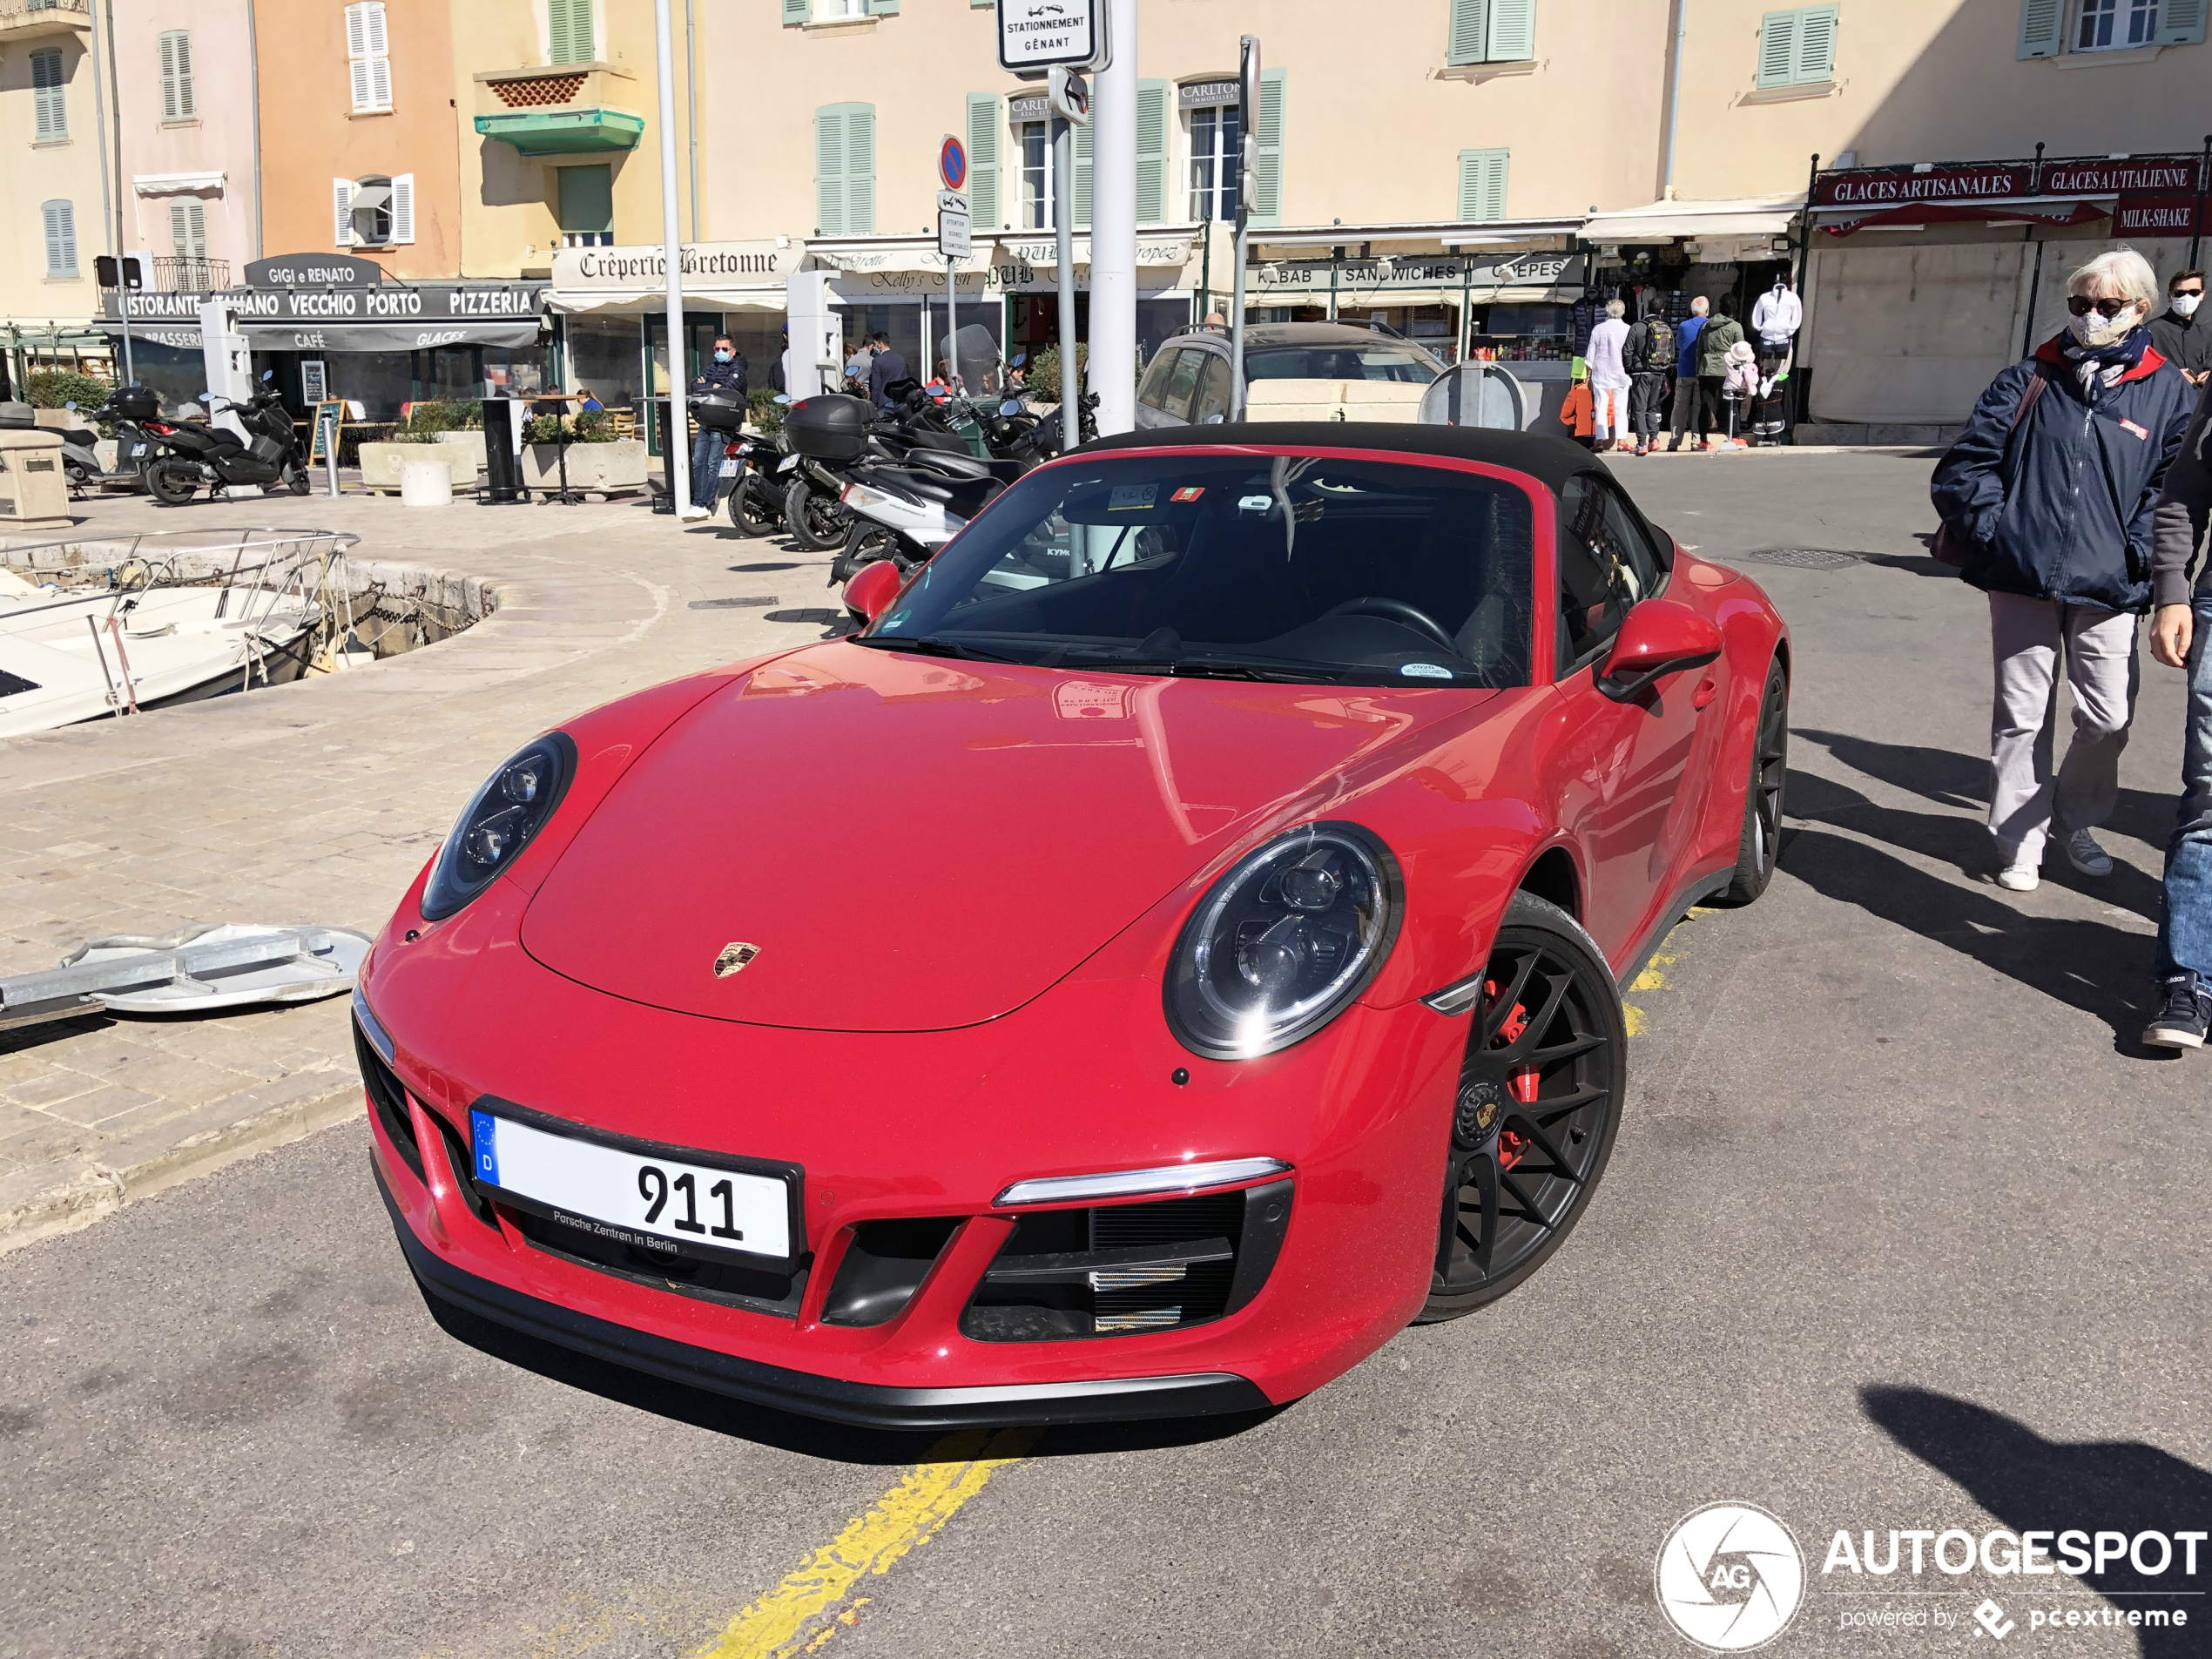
[817,521]
[752,510]
[1538,1105]
[1762,839]
[171,481]
[296,479]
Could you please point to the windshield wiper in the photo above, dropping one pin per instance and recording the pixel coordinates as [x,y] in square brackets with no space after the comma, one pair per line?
[925,645]
[1216,668]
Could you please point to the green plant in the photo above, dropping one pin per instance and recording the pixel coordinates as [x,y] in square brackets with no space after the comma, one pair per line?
[541,429]
[762,409]
[470,417]
[1044,371]
[54,388]
[592,426]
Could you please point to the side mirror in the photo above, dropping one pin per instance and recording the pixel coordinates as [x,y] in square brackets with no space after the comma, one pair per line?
[874,588]
[783,397]
[1660,636]
[70,406]
[1012,406]
[269,374]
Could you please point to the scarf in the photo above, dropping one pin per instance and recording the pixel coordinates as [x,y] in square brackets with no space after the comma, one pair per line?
[2098,367]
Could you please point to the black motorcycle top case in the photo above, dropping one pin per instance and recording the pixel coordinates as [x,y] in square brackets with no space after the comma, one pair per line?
[135,403]
[831,428]
[722,412]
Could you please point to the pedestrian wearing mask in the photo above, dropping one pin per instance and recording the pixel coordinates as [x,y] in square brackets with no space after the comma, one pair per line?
[2183,337]
[1713,341]
[1608,377]
[724,372]
[2046,502]
[1688,406]
[1650,357]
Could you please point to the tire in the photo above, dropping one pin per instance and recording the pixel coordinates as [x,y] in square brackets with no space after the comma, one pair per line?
[815,521]
[1539,1108]
[78,478]
[1760,844]
[752,510]
[172,482]
[297,481]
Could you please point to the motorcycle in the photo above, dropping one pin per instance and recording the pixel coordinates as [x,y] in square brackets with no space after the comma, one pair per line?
[191,455]
[756,508]
[81,457]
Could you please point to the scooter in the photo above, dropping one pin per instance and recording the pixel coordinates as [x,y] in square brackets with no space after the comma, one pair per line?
[905,513]
[193,456]
[749,459]
[81,457]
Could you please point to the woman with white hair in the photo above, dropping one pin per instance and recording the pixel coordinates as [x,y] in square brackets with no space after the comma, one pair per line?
[2047,500]
[1608,377]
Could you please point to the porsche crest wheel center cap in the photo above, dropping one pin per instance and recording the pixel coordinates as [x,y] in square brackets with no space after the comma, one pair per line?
[1480,1101]
[734,956]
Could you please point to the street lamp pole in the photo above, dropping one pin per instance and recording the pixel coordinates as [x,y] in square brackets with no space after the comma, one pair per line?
[678,438]
[1113,225]
[1248,115]
[1063,254]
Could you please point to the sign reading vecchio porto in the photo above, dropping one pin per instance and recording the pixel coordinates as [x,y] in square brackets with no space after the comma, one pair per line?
[389,317]
[1892,186]
[706,264]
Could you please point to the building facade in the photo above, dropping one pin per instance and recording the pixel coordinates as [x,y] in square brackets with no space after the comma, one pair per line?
[55,183]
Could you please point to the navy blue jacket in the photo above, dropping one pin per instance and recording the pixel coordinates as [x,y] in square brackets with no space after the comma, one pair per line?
[2068,514]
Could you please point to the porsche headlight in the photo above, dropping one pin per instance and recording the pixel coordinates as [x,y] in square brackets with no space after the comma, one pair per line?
[498,823]
[1282,943]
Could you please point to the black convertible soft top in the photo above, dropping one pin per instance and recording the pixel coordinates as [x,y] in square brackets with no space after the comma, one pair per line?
[1551,460]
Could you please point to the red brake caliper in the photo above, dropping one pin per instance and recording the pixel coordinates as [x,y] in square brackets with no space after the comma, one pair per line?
[1522,1082]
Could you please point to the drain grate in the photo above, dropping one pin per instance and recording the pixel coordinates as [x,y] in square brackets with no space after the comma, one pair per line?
[1805,559]
[762,601]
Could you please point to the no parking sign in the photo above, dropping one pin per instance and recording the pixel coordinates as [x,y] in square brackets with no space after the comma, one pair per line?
[952,163]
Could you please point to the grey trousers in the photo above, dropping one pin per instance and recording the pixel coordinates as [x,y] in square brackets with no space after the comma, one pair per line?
[2027,637]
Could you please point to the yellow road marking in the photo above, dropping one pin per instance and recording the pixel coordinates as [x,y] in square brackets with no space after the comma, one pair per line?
[1635,1019]
[810,1607]
[1651,978]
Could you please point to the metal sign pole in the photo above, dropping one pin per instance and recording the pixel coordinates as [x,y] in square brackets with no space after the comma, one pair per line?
[678,439]
[952,324]
[1247,116]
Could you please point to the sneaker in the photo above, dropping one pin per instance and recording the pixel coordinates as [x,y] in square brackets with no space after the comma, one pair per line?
[2085,855]
[2181,1023]
[696,511]
[2019,878]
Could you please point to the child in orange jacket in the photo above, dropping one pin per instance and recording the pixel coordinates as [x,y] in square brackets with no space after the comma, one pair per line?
[1575,412]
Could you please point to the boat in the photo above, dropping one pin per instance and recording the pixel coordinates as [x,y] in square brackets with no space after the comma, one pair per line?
[67,656]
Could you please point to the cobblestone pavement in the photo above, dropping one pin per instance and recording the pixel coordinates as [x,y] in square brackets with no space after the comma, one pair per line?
[316,802]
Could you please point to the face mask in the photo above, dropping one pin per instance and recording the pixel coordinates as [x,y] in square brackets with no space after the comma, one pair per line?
[2185,304]
[722,357]
[2093,329]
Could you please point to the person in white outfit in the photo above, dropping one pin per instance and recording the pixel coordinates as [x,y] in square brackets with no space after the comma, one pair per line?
[1775,320]
[1609,377]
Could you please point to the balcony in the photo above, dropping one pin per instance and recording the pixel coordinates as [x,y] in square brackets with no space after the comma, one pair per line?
[29,19]
[557,109]
[179,273]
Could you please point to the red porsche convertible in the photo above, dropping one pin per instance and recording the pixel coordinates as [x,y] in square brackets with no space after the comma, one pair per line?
[1175,946]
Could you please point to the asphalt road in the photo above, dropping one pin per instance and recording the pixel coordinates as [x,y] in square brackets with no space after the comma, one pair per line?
[1903,1231]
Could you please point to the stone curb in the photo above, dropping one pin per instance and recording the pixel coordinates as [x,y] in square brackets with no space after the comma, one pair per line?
[43,1202]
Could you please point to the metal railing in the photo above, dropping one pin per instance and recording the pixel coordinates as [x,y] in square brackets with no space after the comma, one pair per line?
[13,11]
[183,274]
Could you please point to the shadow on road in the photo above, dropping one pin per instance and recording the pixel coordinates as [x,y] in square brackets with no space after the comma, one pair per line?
[809,1436]
[2031,1484]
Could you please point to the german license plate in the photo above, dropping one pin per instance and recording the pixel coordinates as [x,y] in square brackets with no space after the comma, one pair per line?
[634,1196]
[137,449]
[786,463]
[729,469]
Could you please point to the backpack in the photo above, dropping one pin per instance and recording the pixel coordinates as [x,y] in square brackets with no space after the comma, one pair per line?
[1651,347]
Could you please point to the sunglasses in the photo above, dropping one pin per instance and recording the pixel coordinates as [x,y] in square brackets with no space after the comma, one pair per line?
[2196,292]
[2081,305]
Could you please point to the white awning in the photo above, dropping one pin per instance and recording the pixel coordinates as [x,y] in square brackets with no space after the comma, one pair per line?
[907,256]
[635,302]
[1666,221]
[170,184]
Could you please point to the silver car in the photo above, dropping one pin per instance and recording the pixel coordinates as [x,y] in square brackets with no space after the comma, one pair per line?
[1187,383]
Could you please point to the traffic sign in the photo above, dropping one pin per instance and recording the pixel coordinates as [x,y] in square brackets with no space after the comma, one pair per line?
[952,163]
[1037,34]
[952,226]
[1068,96]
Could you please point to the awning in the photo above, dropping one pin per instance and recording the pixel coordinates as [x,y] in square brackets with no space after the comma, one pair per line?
[1719,218]
[639,302]
[170,184]
[359,336]
[1842,221]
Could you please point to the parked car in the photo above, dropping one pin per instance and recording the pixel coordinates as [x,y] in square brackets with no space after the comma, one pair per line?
[1301,371]
[1275,821]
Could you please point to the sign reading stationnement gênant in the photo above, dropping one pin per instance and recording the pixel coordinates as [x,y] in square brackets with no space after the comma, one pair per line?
[1039,34]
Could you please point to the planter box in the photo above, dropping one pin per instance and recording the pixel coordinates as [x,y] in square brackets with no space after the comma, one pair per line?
[599,468]
[471,441]
[379,463]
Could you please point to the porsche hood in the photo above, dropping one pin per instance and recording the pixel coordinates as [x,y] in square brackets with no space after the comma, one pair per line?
[852,840]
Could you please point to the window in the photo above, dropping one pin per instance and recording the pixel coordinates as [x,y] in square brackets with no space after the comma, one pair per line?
[2111,25]
[1606,564]
[1797,48]
[61,237]
[1492,31]
[1181,382]
[369,57]
[587,207]
[177,101]
[568,36]
[1036,175]
[1215,130]
[47,95]
[374,211]
[1482,185]
[188,230]
[845,170]
[1211,403]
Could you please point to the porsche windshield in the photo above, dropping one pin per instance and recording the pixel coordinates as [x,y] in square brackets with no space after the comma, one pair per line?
[1302,567]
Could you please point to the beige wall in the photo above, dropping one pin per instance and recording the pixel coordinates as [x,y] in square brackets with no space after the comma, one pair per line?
[66,170]
[1374,121]
[218,137]
[1918,80]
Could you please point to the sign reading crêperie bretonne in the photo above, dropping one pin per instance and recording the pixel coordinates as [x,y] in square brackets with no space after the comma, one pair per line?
[1038,34]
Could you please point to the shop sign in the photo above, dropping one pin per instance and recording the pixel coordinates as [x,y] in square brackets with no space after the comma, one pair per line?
[314,271]
[391,317]
[709,264]
[2156,212]
[2112,177]
[1030,107]
[1205,94]
[1481,270]
[1892,186]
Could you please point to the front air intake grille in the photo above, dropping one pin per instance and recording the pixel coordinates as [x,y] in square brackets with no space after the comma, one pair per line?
[387,1099]
[1117,1270]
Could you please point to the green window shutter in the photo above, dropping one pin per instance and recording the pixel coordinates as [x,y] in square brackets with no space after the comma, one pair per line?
[1082,202]
[2042,28]
[60,218]
[587,199]
[1482,185]
[795,11]
[567,32]
[2180,23]
[48,96]
[829,170]
[1778,48]
[1267,145]
[1470,33]
[1512,31]
[883,8]
[983,160]
[860,170]
[1151,151]
[1815,45]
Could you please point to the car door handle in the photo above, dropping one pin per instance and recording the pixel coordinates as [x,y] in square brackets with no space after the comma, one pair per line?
[1708,689]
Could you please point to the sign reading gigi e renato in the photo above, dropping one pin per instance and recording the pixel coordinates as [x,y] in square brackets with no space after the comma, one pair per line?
[1895,186]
